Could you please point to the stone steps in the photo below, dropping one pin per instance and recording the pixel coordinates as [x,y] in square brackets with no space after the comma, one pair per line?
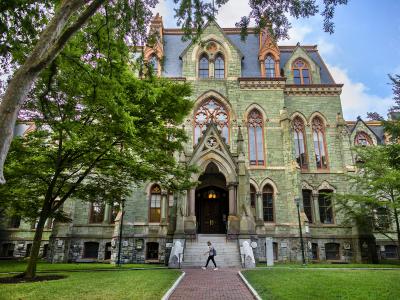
[227,251]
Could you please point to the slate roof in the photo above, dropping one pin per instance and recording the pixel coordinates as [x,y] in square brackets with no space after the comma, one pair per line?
[174,46]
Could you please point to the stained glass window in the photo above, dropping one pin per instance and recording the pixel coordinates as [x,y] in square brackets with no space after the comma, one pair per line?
[211,111]
[256,142]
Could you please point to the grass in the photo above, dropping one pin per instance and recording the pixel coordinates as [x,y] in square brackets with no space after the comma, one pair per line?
[325,284]
[19,266]
[136,284]
[384,264]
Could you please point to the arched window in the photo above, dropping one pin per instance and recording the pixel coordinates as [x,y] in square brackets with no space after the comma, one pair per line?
[253,196]
[219,67]
[155,204]
[300,142]
[268,203]
[363,139]
[211,111]
[269,67]
[256,142]
[308,204]
[204,67]
[153,61]
[319,143]
[301,72]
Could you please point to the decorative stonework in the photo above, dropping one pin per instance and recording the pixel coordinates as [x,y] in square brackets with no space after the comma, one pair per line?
[313,90]
[261,83]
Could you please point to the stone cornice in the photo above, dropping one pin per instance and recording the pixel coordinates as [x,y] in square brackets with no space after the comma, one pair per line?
[313,90]
[261,83]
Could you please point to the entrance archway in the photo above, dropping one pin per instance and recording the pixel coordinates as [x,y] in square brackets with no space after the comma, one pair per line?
[212,201]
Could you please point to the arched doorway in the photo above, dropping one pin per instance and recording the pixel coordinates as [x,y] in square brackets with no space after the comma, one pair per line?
[212,203]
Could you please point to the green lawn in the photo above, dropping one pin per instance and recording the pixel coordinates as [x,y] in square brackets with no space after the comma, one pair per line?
[384,264]
[325,284]
[17,266]
[137,284]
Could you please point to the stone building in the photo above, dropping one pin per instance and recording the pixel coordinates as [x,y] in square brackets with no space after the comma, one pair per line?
[266,129]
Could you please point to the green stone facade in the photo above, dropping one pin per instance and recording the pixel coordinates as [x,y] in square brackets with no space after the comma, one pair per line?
[279,101]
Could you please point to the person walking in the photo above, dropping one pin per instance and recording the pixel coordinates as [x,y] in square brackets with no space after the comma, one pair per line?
[211,254]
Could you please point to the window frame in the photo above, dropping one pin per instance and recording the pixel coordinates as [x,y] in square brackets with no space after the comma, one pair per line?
[300,127]
[259,123]
[264,208]
[205,56]
[311,206]
[337,257]
[325,207]
[155,63]
[366,136]
[273,68]
[151,216]
[91,212]
[253,196]
[320,129]
[85,253]
[301,76]
[219,56]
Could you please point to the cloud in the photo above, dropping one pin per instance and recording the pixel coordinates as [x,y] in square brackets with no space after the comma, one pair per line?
[356,100]
[297,34]
[232,12]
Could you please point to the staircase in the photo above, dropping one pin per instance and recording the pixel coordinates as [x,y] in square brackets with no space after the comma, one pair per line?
[227,251]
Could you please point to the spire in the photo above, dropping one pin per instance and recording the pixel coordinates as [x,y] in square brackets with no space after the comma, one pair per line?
[268,46]
[156,29]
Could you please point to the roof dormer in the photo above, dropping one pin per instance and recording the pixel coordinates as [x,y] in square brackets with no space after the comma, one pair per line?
[268,54]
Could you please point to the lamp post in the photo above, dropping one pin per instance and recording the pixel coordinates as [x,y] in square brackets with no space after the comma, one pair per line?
[297,201]
[121,223]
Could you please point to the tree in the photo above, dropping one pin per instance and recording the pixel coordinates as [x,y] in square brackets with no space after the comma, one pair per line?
[377,183]
[99,129]
[42,29]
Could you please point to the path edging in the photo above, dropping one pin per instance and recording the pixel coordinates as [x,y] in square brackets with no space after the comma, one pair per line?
[173,287]
[249,286]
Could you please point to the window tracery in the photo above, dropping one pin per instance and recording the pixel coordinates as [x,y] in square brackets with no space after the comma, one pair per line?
[204,67]
[269,67]
[300,142]
[211,111]
[301,72]
[321,158]
[363,139]
[155,204]
[256,141]
[219,67]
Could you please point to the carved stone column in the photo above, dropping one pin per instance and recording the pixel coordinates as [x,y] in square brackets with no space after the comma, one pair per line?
[164,203]
[192,202]
[232,198]
[259,207]
[107,213]
[314,199]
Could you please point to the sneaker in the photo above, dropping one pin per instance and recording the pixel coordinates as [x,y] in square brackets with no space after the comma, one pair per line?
[203,268]
[215,269]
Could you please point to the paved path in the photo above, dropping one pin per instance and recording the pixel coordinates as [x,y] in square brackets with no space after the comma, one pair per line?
[208,284]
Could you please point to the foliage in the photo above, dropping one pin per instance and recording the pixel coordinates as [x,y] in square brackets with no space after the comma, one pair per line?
[325,284]
[99,130]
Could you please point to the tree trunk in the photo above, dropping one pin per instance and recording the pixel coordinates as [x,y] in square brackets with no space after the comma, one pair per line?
[51,42]
[396,218]
[30,271]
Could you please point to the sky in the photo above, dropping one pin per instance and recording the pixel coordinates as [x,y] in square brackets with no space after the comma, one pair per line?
[364,49]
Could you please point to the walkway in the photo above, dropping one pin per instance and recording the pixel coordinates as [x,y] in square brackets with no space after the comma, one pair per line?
[208,284]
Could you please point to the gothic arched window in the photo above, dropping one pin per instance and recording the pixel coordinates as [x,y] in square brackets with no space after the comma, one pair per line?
[219,67]
[363,139]
[321,157]
[204,66]
[155,204]
[269,67]
[268,203]
[153,61]
[255,126]
[300,142]
[211,111]
[301,72]
[253,196]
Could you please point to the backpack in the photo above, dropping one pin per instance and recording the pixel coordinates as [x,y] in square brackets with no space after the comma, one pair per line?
[214,252]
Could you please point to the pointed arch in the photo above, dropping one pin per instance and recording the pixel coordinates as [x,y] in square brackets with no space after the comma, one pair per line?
[325,185]
[299,115]
[219,66]
[255,129]
[253,182]
[319,139]
[268,197]
[223,164]
[255,106]
[270,182]
[321,115]
[300,142]
[301,71]
[203,66]
[363,139]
